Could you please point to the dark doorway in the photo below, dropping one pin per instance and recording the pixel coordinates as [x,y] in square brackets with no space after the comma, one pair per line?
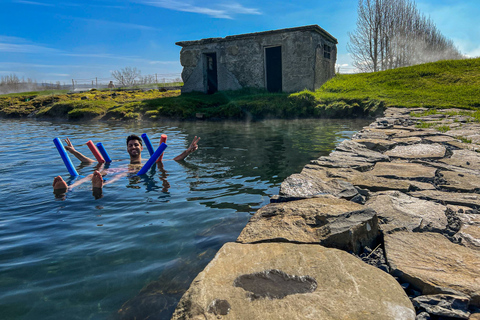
[211,68]
[273,59]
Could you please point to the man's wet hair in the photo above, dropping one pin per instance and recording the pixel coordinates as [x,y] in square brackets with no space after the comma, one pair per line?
[134,137]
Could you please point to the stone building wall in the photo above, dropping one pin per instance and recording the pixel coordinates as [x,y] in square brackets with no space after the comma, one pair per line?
[241,59]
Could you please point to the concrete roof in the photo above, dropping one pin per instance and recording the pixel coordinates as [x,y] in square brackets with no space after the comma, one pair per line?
[314,28]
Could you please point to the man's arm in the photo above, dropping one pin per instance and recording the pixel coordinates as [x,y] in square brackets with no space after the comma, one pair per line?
[77,154]
[192,148]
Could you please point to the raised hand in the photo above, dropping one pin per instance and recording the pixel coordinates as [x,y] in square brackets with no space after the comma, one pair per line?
[69,145]
[193,146]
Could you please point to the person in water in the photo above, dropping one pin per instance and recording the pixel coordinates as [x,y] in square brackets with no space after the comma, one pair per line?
[134,149]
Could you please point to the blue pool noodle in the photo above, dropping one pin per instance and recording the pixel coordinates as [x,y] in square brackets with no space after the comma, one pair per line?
[104,153]
[65,157]
[148,144]
[152,159]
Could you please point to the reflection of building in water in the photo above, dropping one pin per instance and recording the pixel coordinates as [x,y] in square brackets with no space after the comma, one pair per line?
[286,60]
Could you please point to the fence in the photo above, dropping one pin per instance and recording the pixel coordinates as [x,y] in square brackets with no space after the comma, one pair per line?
[153,81]
[13,84]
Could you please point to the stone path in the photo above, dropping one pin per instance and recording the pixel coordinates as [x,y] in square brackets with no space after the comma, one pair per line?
[386,227]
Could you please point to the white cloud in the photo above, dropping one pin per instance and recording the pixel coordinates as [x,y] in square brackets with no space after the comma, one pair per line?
[118,24]
[34,3]
[25,48]
[223,11]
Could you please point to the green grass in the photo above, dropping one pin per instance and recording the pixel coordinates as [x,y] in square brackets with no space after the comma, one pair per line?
[35,93]
[463,139]
[442,84]
[435,86]
[443,128]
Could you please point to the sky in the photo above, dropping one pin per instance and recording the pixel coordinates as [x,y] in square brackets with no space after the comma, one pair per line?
[51,41]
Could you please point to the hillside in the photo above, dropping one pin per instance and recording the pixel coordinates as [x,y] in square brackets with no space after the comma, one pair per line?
[443,84]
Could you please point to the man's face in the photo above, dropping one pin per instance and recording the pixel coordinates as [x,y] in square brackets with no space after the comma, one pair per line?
[134,148]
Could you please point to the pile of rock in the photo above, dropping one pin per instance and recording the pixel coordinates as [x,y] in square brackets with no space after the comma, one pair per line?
[385,227]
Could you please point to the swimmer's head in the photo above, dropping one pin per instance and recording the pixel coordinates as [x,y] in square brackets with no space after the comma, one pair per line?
[134,137]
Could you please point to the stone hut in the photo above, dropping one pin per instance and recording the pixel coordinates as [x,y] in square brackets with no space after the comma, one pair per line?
[285,60]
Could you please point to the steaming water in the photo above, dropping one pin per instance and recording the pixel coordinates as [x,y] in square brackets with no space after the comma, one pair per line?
[81,258]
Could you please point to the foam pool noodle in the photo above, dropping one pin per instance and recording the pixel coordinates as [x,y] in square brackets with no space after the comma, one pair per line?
[148,144]
[152,159]
[65,157]
[163,139]
[104,153]
[95,152]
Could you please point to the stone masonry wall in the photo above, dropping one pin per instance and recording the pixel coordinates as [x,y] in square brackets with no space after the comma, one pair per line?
[241,63]
[385,227]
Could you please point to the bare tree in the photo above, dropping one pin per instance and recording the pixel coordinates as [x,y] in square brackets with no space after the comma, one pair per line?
[127,76]
[393,33]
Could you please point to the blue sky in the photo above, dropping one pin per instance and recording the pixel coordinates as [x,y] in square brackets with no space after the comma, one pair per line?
[53,41]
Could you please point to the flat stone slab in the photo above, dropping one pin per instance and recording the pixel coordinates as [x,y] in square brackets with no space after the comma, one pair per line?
[469,233]
[360,150]
[444,305]
[329,221]
[433,264]
[369,133]
[465,159]
[338,159]
[418,151]
[418,133]
[292,281]
[439,138]
[462,199]
[422,185]
[379,145]
[403,170]
[407,140]
[460,181]
[307,185]
[364,180]
[465,146]
[397,211]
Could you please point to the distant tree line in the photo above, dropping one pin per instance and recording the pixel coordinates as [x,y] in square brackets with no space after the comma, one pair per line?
[130,77]
[12,83]
[393,33]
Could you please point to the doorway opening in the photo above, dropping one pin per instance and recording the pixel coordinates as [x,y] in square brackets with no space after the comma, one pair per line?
[273,62]
[211,72]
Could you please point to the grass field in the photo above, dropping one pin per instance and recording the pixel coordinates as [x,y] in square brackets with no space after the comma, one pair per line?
[437,85]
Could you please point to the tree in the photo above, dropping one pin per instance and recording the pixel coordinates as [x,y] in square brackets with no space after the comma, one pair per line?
[126,77]
[393,33]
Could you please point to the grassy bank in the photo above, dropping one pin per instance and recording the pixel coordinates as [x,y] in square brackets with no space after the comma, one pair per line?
[437,85]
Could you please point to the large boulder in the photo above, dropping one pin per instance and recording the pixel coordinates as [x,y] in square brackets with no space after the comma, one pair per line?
[398,211]
[433,264]
[292,281]
[326,220]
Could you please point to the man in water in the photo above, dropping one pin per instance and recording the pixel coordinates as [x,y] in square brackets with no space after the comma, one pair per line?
[134,149]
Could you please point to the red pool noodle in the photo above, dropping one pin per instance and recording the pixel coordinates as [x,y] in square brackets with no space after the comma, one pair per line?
[95,151]
[163,138]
